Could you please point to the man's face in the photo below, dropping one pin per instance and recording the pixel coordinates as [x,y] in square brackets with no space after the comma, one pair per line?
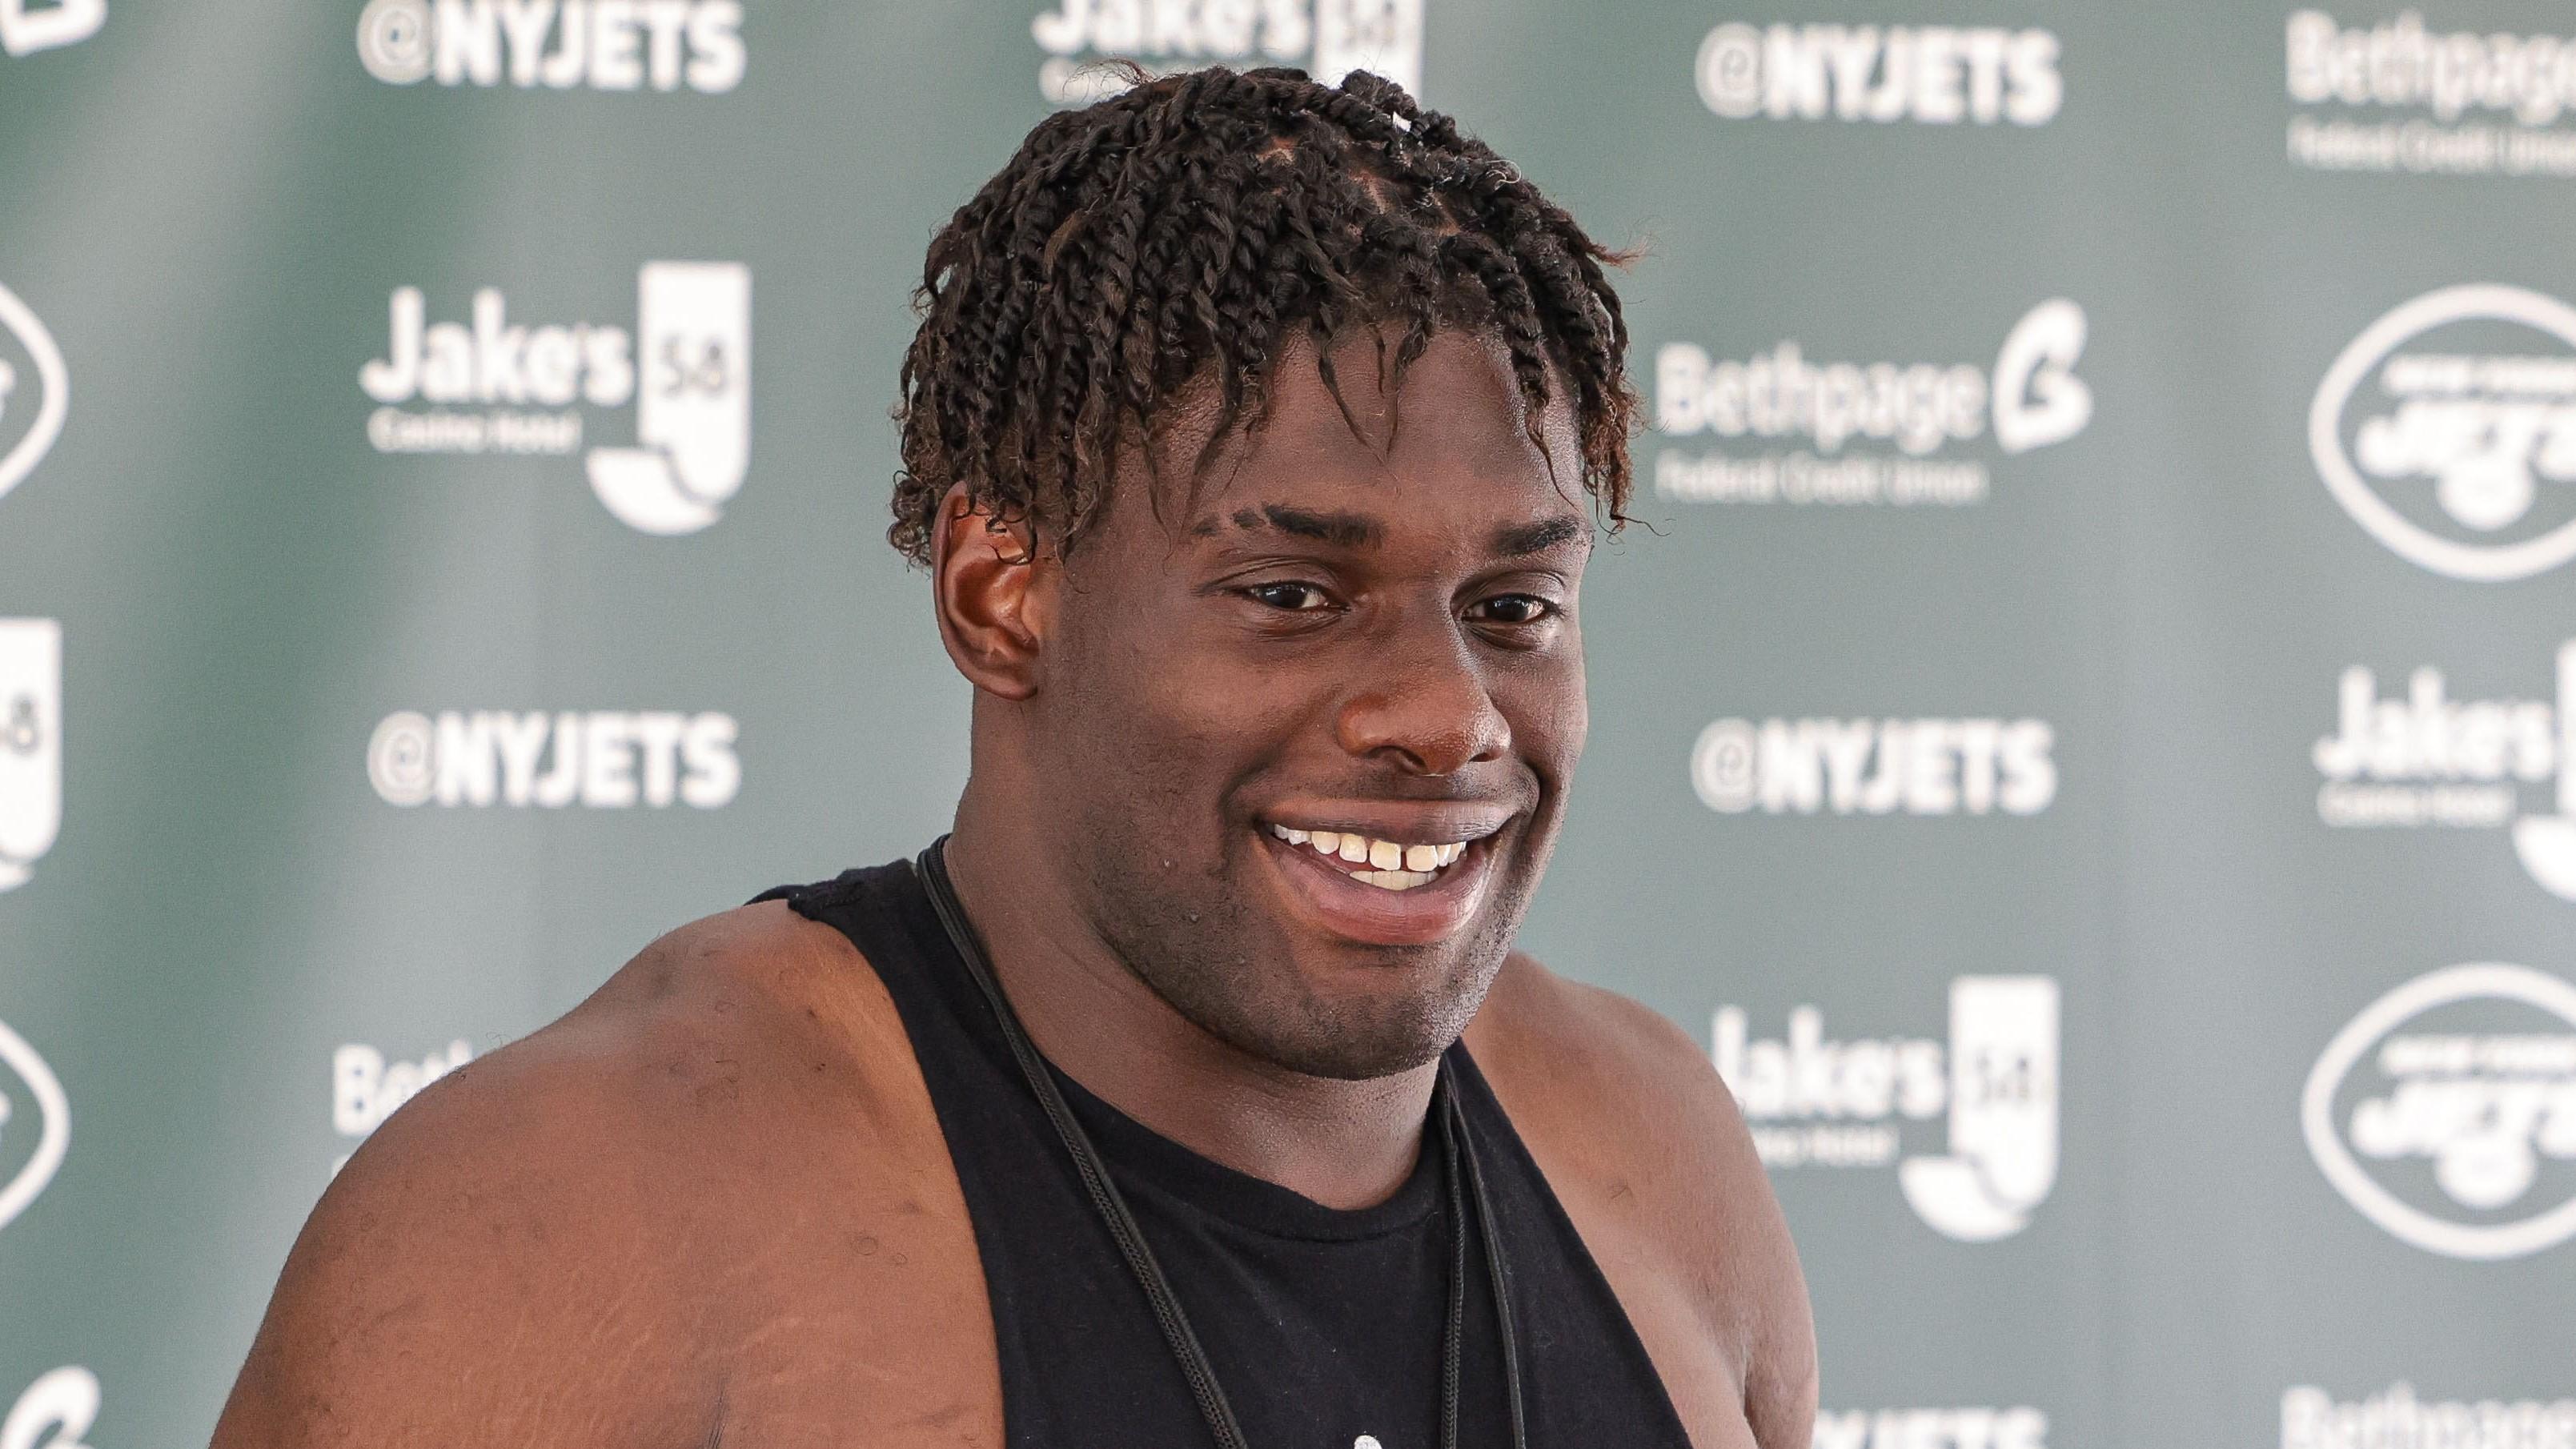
[1338,641]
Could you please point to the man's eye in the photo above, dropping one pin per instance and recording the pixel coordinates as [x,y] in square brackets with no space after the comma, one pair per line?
[1511,609]
[1295,597]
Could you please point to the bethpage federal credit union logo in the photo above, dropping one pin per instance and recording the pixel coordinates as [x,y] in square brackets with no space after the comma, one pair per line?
[495,387]
[603,45]
[599,759]
[366,1088]
[1932,74]
[1934,767]
[2447,429]
[2019,1427]
[1815,1102]
[2311,1418]
[35,389]
[28,26]
[31,745]
[2466,102]
[55,1411]
[2422,758]
[1328,39]
[1905,423]
[2446,1112]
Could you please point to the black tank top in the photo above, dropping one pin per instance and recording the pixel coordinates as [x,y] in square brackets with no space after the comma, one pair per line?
[1325,1327]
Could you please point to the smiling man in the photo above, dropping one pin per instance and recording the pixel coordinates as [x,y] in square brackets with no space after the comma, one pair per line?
[1191,1091]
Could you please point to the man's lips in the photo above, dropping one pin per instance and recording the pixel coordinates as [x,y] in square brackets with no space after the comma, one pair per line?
[1377,903]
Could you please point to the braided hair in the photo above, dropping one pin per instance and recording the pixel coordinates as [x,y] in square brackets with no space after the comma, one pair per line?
[1180,234]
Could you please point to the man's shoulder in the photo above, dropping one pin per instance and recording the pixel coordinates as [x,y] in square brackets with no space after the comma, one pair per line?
[1584,1056]
[677,1043]
[665,1088]
[1645,1148]
[1590,1029]
[612,1189]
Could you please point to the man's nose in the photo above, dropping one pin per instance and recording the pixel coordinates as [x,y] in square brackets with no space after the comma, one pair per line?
[1423,705]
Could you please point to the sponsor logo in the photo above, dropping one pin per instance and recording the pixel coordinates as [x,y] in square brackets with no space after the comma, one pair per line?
[365,1088]
[35,389]
[1784,423]
[1932,74]
[1327,38]
[54,1413]
[31,745]
[1813,1102]
[601,45]
[602,759]
[2461,103]
[493,386]
[35,1124]
[2422,758]
[2311,1418]
[2448,431]
[1876,766]
[2446,1112]
[28,26]
[2014,1428]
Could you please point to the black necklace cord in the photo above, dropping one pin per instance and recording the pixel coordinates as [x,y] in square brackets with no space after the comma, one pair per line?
[1105,1197]
[1465,1155]
[1111,1206]
[1453,1349]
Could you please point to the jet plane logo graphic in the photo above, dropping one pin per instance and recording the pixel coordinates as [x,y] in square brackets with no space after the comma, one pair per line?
[32,1107]
[2446,1112]
[35,387]
[2447,429]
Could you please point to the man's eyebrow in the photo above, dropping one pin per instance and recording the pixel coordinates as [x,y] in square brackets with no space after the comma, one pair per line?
[1348,530]
[1517,539]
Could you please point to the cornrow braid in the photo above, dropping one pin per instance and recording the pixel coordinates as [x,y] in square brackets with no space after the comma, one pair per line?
[1188,229]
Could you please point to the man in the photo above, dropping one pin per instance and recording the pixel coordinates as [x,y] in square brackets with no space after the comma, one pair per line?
[1191,1092]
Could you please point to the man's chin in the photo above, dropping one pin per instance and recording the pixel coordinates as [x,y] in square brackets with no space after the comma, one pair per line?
[1356,1050]
[1359,1013]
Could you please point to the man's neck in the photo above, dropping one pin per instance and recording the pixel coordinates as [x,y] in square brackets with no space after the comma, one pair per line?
[1344,1144]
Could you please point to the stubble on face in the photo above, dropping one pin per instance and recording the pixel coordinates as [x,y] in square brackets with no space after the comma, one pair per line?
[1175,712]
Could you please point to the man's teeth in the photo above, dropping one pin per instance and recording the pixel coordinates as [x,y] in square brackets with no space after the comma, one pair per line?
[1392,865]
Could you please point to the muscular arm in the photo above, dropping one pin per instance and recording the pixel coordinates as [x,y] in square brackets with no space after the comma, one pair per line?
[1645,1148]
[713,1203]
[484,1271]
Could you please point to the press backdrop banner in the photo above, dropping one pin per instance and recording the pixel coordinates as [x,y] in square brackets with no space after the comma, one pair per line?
[2084,728]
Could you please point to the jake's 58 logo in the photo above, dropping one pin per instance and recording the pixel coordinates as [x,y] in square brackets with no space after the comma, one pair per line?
[31,745]
[27,26]
[1812,1101]
[2419,757]
[1328,38]
[497,387]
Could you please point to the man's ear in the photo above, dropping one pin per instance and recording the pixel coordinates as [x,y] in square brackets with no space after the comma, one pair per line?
[994,591]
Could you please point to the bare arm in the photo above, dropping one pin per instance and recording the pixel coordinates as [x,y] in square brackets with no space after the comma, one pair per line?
[484,1271]
[1644,1147]
[716,1194]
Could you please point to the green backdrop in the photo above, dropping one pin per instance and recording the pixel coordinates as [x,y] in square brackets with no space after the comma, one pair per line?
[2086,732]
